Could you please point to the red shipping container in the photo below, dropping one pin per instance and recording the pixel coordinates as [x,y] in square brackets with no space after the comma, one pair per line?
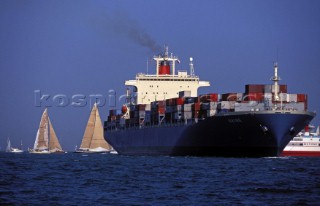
[283,88]
[196,106]
[209,98]
[161,110]
[254,88]
[213,97]
[195,114]
[179,101]
[302,98]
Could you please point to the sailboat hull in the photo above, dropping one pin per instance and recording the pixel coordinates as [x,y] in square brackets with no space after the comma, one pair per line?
[16,150]
[39,152]
[92,151]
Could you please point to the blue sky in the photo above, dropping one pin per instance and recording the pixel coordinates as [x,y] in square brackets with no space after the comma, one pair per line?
[91,47]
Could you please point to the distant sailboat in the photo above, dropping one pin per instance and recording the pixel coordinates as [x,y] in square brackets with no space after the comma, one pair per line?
[13,149]
[93,140]
[46,141]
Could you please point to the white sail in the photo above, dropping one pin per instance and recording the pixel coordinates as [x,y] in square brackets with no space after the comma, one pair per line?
[35,145]
[8,149]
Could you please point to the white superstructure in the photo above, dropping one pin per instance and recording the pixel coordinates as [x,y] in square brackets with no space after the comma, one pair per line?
[166,83]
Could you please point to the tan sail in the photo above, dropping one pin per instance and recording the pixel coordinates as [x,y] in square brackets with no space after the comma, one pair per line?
[88,133]
[93,135]
[54,144]
[97,138]
[46,140]
[42,135]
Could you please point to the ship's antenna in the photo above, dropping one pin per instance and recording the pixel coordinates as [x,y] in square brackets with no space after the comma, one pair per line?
[166,53]
[128,96]
[147,65]
[191,67]
[276,79]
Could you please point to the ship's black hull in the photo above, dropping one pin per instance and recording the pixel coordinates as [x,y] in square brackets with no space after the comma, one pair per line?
[237,134]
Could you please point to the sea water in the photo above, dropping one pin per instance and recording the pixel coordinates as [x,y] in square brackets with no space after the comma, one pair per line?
[108,179]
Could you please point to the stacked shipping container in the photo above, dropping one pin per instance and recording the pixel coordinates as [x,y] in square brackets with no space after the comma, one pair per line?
[185,107]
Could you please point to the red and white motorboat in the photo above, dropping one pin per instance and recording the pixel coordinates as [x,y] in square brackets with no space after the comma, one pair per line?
[306,143]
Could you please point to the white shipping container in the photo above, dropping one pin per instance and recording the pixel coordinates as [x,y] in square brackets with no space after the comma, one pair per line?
[211,112]
[148,107]
[224,105]
[249,106]
[187,107]
[186,115]
[227,104]
[283,97]
[213,105]
[292,97]
[267,96]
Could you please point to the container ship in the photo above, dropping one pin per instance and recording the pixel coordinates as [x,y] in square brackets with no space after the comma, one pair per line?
[164,115]
[306,143]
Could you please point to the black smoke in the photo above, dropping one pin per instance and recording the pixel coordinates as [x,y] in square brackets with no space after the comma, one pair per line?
[122,25]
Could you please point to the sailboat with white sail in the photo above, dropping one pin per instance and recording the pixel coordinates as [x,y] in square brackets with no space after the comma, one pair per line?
[93,140]
[13,149]
[46,140]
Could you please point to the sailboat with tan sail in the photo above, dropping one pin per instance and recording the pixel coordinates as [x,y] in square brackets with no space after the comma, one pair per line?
[46,140]
[93,140]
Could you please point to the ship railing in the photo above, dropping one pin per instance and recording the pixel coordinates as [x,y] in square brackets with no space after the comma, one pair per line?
[150,76]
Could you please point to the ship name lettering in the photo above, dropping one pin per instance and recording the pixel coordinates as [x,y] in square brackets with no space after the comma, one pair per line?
[234,121]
